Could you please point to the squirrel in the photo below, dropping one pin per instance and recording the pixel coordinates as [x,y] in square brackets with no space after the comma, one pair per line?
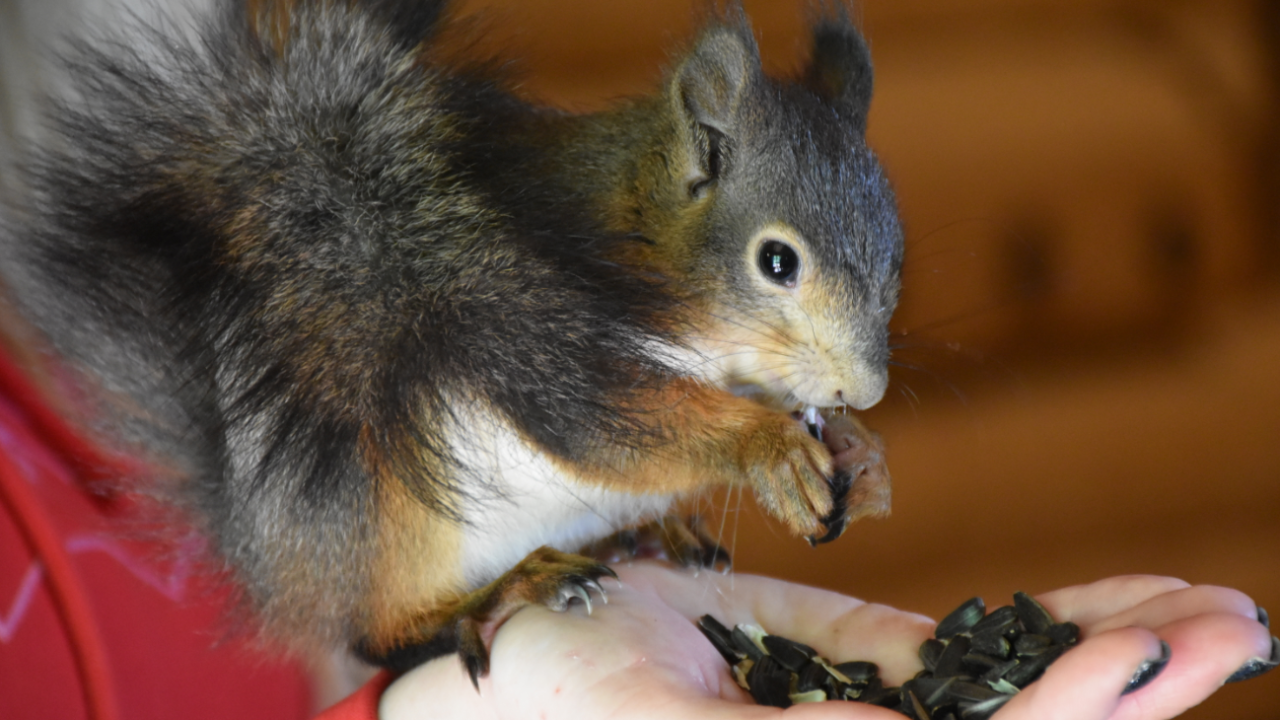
[400,342]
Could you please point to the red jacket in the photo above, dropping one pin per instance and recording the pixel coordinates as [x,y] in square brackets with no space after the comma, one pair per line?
[94,624]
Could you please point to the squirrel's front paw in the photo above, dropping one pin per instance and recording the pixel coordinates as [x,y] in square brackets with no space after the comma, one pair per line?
[790,472]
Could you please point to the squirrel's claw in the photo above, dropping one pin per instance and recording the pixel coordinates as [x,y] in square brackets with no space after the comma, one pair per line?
[472,650]
[838,519]
[576,587]
[545,576]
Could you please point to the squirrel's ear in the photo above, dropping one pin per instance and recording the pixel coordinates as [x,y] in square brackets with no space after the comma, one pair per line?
[840,70]
[711,81]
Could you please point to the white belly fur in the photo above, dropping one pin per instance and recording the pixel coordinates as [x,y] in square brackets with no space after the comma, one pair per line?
[521,501]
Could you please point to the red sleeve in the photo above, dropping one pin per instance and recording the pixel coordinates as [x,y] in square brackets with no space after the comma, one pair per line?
[96,623]
[361,704]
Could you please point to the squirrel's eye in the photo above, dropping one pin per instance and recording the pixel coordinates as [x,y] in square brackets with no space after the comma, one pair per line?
[779,262]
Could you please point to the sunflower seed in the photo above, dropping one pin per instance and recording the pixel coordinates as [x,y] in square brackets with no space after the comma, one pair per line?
[807,697]
[814,677]
[916,708]
[721,638]
[858,671]
[1033,666]
[1003,686]
[949,662]
[997,620]
[972,666]
[744,644]
[962,619]
[977,663]
[931,691]
[1063,633]
[790,654]
[882,696]
[991,643]
[770,683]
[963,691]
[930,651]
[999,671]
[984,709]
[1031,644]
[1032,614]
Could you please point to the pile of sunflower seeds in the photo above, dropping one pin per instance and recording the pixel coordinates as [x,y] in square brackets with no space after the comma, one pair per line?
[974,663]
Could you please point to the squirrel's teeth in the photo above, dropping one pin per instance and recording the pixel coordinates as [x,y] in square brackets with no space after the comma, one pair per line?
[814,420]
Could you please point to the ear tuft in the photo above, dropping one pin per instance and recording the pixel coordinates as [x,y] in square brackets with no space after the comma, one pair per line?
[840,69]
[713,78]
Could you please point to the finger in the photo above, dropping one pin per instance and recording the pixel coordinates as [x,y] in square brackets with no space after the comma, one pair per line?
[1086,683]
[1086,605]
[1206,650]
[1183,603]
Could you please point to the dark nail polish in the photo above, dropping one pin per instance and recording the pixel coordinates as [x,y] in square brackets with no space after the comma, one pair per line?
[1148,670]
[1264,618]
[1258,666]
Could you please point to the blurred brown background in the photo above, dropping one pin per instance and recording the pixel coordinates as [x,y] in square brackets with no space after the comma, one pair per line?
[1090,328]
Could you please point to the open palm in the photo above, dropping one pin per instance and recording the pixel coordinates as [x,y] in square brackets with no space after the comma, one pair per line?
[641,656]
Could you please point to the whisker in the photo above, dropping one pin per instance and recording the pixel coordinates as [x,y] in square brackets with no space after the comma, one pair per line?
[955,389]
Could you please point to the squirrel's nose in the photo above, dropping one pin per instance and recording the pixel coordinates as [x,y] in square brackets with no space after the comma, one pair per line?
[866,393]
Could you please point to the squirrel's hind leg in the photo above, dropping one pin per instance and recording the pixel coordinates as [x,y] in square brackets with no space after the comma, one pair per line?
[545,576]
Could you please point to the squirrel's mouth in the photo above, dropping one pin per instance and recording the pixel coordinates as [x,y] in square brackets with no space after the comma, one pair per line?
[813,419]
[836,427]
[839,429]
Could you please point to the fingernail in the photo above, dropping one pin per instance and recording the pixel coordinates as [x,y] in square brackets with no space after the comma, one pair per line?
[1257,666]
[1264,618]
[1148,670]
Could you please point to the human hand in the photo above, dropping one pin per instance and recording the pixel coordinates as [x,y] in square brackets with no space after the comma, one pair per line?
[642,656]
